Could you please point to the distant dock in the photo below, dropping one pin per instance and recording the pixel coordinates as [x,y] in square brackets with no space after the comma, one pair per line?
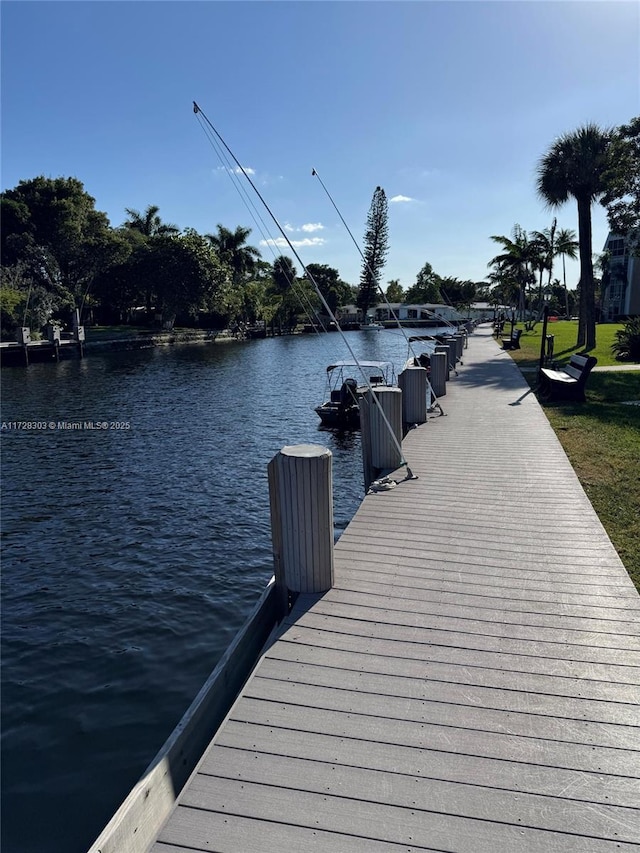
[470,683]
[14,353]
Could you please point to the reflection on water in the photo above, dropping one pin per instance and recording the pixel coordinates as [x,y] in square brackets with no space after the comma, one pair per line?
[131,556]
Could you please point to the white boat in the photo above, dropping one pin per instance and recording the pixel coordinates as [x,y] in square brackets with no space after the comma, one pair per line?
[370,325]
[341,409]
[421,355]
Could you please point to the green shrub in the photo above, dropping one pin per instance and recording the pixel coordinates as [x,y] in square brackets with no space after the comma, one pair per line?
[627,344]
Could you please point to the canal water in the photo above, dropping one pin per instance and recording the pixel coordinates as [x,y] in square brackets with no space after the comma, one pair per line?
[132,553]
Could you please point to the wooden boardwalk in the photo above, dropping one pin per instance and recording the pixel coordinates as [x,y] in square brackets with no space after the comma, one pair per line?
[471,683]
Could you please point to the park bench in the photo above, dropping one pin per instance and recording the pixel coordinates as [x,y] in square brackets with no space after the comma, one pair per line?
[566,383]
[513,341]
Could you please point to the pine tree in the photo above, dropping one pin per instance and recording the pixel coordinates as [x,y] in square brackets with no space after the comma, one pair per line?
[376,246]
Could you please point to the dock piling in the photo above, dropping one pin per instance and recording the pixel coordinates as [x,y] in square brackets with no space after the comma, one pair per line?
[24,339]
[413,384]
[439,373]
[301,497]
[444,349]
[379,450]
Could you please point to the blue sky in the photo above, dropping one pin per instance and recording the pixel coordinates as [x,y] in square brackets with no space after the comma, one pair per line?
[446,105]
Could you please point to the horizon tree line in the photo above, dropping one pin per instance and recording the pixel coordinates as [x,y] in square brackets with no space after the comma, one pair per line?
[59,253]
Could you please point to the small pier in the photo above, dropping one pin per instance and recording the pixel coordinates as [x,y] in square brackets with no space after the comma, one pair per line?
[24,350]
[470,683]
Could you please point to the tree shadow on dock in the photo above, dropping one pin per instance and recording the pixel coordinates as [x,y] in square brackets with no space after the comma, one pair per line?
[497,374]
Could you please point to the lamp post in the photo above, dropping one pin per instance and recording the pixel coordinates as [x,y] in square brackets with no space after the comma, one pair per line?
[543,341]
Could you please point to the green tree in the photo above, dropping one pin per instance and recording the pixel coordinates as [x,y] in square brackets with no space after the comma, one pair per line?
[233,251]
[394,291]
[23,302]
[53,228]
[566,246]
[504,288]
[426,289]
[376,247]
[335,291]
[128,283]
[283,291]
[515,262]
[622,178]
[258,297]
[543,244]
[149,223]
[189,278]
[142,229]
[460,294]
[575,166]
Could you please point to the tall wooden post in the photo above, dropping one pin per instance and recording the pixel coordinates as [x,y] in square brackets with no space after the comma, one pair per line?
[543,340]
[24,338]
[54,335]
[413,384]
[439,373]
[459,341]
[444,349]
[78,331]
[301,496]
[381,449]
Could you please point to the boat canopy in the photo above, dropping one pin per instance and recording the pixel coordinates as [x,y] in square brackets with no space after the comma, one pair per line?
[428,338]
[379,365]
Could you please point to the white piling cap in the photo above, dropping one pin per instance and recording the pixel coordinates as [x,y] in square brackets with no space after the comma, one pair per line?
[305,451]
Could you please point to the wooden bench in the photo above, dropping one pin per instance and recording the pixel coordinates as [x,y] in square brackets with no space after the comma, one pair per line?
[513,341]
[566,383]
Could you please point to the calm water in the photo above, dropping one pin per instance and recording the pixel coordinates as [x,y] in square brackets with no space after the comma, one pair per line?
[131,557]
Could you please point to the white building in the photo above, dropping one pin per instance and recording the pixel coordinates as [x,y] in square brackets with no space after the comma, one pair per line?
[621,297]
[415,313]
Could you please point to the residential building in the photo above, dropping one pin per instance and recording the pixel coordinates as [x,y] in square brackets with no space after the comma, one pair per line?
[621,281]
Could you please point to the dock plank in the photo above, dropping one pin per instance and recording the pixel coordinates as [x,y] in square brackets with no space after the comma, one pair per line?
[361,818]
[508,775]
[428,795]
[471,683]
[339,652]
[453,693]
[338,697]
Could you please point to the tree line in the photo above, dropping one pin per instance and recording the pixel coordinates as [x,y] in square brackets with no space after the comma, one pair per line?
[60,254]
[589,165]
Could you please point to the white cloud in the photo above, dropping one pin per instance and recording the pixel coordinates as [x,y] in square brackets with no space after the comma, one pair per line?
[288,227]
[281,243]
[309,241]
[236,170]
[400,198]
[312,226]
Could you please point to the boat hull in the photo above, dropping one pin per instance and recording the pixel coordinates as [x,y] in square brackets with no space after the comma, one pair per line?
[335,416]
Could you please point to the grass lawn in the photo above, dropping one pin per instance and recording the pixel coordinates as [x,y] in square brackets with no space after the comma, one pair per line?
[115,333]
[565,333]
[601,437]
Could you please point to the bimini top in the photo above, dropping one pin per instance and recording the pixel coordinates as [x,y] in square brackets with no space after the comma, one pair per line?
[380,365]
[430,338]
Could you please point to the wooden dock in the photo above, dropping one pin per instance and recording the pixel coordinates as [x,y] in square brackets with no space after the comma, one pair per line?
[471,682]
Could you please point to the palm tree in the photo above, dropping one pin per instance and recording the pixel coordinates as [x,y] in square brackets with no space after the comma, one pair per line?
[566,245]
[545,246]
[231,249]
[149,223]
[515,261]
[575,166]
[284,276]
[503,288]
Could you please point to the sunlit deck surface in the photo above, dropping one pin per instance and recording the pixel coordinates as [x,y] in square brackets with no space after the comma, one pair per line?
[471,683]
